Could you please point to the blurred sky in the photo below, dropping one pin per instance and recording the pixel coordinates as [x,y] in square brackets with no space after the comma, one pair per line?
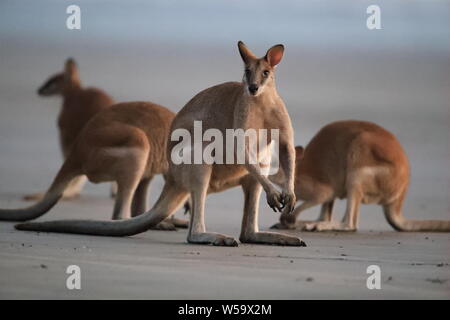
[411,24]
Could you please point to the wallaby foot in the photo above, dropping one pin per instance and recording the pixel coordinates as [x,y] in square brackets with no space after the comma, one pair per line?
[40,195]
[215,239]
[327,226]
[165,225]
[179,223]
[273,238]
[298,225]
[282,226]
[33,196]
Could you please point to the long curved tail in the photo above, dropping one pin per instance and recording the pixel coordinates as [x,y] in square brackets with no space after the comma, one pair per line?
[399,223]
[51,197]
[169,201]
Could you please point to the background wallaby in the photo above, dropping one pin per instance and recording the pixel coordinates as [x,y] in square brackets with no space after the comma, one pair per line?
[125,143]
[251,104]
[78,107]
[359,161]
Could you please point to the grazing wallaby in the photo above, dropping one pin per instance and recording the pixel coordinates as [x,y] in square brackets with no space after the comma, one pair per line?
[125,143]
[359,161]
[251,104]
[79,106]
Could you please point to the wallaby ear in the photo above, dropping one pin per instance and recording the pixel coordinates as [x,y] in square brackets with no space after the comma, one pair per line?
[71,71]
[274,55]
[299,152]
[245,52]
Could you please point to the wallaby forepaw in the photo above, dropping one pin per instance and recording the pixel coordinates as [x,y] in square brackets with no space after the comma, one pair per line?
[274,201]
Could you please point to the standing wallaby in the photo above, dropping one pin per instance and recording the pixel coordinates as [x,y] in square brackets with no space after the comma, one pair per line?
[125,143]
[251,104]
[79,106]
[359,161]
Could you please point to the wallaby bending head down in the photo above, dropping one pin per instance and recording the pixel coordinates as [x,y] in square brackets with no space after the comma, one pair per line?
[126,143]
[251,104]
[78,107]
[359,161]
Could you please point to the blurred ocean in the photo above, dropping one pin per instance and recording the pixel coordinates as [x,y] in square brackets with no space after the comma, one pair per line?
[415,25]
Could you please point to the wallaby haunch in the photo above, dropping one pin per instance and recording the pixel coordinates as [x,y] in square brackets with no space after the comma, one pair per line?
[359,161]
[253,103]
[126,143]
[78,107]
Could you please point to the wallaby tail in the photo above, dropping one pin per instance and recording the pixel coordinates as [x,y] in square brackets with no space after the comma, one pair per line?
[51,197]
[169,201]
[399,223]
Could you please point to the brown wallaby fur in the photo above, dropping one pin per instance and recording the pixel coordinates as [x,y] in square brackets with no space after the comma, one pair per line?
[126,143]
[78,107]
[251,104]
[359,161]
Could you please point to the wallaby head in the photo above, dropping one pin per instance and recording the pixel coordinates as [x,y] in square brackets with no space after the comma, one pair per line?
[259,72]
[60,82]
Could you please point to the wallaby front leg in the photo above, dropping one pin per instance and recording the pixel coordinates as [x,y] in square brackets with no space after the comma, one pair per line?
[250,231]
[197,230]
[274,197]
[287,163]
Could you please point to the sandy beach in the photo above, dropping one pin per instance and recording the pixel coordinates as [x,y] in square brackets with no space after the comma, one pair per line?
[404,88]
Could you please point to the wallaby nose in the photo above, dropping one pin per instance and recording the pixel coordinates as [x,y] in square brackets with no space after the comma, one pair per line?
[253,88]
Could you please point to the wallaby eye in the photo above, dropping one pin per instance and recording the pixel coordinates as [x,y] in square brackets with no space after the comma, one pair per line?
[266,73]
[247,72]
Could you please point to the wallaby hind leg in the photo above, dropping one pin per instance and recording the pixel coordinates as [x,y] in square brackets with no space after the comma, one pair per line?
[326,212]
[140,205]
[250,231]
[197,231]
[350,220]
[113,190]
[125,191]
[182,223]
[140,201]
